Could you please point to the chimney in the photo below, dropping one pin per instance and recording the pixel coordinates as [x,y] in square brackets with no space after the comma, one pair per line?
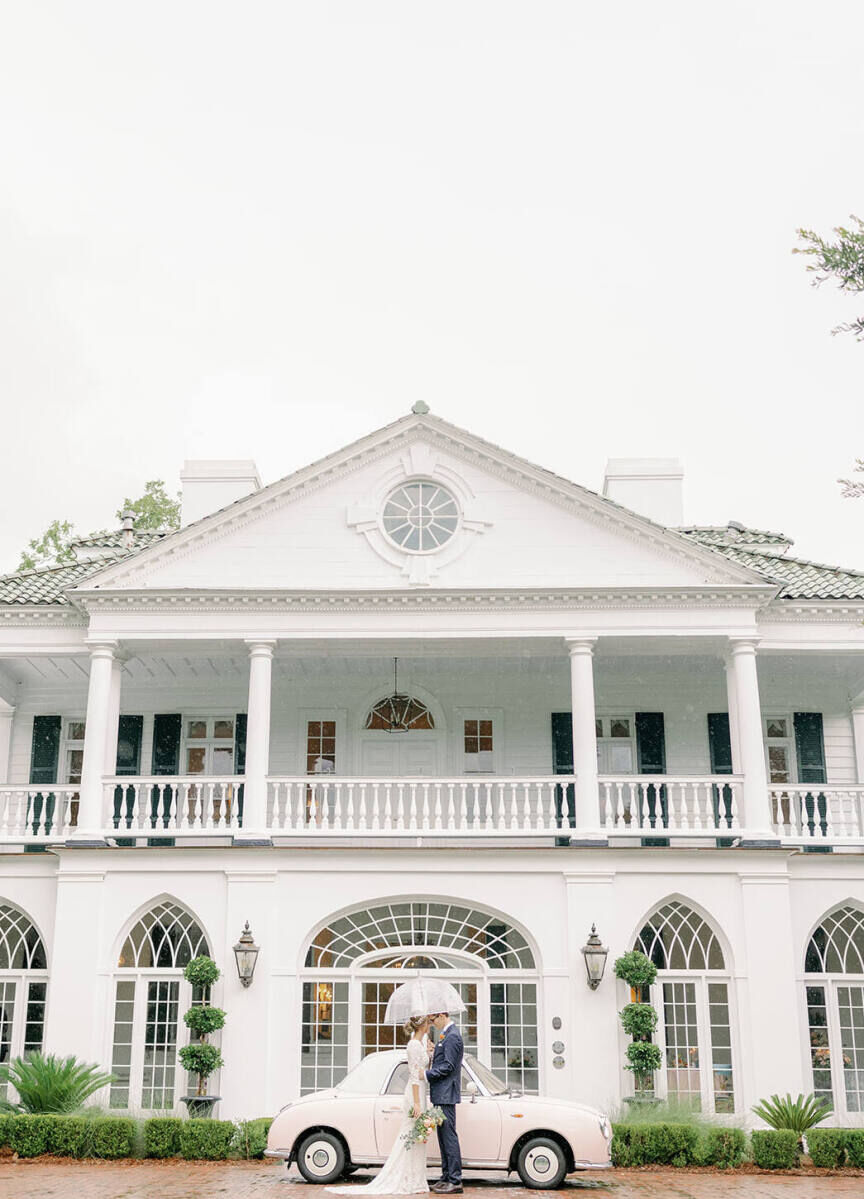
[128,519]
[653,487]
[211,484]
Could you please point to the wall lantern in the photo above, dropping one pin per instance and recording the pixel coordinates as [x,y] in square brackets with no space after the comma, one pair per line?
[246,954]
[595,954]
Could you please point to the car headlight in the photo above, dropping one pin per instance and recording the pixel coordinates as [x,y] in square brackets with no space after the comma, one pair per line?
[606,1127]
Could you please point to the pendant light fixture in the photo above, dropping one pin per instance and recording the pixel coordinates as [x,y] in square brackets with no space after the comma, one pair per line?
[398,704]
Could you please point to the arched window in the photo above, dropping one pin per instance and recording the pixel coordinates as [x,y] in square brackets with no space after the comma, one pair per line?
[399,714]
[23,985]
[834,963]
[691,996]
[149,997]
[354,963]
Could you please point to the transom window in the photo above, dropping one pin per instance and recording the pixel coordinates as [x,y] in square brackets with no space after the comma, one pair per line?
[694,1029]
[399,713]
[444,925]
[835,1010]
[166,937]
[420,516]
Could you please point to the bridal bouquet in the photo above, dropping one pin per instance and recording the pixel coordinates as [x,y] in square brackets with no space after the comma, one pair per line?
[423,1127]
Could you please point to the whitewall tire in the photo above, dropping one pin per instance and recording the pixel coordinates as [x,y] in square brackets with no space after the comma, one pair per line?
[541,1164]
[321,1158]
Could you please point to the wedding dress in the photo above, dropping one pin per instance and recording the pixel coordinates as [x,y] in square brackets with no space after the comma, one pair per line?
[404,1172]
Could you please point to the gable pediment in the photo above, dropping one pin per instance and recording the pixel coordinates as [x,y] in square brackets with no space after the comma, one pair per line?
[326,528]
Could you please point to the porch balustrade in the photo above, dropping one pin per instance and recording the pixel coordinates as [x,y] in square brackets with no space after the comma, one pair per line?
[538,808]
[818,815]
[656,805]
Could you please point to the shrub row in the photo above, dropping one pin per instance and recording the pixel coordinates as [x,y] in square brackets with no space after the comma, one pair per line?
[771,1149]
[121,1136]
[831,1148]
[677,1145]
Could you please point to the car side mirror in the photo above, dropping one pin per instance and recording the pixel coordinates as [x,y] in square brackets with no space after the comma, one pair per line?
[473,1090]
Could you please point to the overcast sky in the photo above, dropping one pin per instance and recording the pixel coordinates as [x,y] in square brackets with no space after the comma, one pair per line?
[264,229]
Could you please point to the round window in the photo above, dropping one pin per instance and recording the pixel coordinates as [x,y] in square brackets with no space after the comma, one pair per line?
[420,516]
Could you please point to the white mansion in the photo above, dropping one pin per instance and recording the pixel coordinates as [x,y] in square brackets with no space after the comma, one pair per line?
[425,705]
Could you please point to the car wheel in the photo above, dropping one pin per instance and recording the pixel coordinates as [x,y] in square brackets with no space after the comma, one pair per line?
[321,1157]
[541,1164]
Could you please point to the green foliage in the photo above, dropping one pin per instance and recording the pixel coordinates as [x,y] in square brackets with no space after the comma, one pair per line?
[162,1136]
[850,487]
[855,1146]
[250,1137]
[827,1147]
[203,1020]
[208,1139]
[841,261]
[55,546]
[635,969]
[155,509]
[49,1084]
[201,972]
[724,1148]
[775,1149]
[799,1114]
[30,1135]
[654,1144]
[201,1059]
[643,1057]
[638,1019]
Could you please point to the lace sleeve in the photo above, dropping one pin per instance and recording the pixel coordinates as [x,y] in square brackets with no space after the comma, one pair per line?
[416,1062]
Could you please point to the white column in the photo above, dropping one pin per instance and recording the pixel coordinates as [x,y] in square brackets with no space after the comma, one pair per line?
[95,738]
[584,735]
[732,695]
[858,732]
[113,716]
[755,807]
[257,742]
[7,713]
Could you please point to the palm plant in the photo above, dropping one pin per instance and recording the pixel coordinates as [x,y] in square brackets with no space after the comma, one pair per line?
[798,1115]
[47,1084]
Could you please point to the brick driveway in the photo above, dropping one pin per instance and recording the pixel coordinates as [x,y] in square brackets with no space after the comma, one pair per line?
[59,1179]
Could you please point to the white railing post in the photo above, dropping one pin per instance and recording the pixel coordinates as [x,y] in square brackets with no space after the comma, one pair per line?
[587,794]
[254,828]
[89,829]
[755,801]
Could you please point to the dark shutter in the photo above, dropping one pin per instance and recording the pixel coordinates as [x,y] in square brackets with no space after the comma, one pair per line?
[44,758]
[562,763]
[166,760]
[45,750]
[720,748]
[651,757]
[809,747]
[240,759]
[129,734]
[810,752]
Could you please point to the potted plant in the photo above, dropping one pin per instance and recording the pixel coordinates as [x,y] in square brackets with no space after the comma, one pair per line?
[199,1056]
[639,1021]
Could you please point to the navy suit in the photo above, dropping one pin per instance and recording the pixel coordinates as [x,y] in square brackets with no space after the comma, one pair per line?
[445,1091]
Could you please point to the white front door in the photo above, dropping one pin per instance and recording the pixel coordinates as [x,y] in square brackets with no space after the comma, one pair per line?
[399,755]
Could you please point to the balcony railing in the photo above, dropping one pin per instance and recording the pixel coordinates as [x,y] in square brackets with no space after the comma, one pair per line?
[650,805]
[538,809]
[817,815]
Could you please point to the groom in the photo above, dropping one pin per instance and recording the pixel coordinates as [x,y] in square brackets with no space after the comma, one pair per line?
[445,1085]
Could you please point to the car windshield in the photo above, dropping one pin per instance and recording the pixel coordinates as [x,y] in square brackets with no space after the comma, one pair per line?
[485,1077]
[366,1078]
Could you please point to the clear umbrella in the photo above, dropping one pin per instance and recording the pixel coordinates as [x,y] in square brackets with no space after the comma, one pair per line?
[422,997]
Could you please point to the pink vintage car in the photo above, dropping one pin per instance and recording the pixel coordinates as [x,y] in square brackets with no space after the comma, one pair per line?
[332,1133]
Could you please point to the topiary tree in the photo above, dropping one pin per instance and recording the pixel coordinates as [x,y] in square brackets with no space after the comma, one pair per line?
[200,1057]
[639,1020]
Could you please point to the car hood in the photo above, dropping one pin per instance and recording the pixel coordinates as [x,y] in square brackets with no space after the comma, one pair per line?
[568,1105]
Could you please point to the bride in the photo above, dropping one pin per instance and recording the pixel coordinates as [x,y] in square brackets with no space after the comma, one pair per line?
[404,1172]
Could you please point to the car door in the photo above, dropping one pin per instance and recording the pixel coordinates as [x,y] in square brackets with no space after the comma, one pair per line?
[478,1124]
[388,1110]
